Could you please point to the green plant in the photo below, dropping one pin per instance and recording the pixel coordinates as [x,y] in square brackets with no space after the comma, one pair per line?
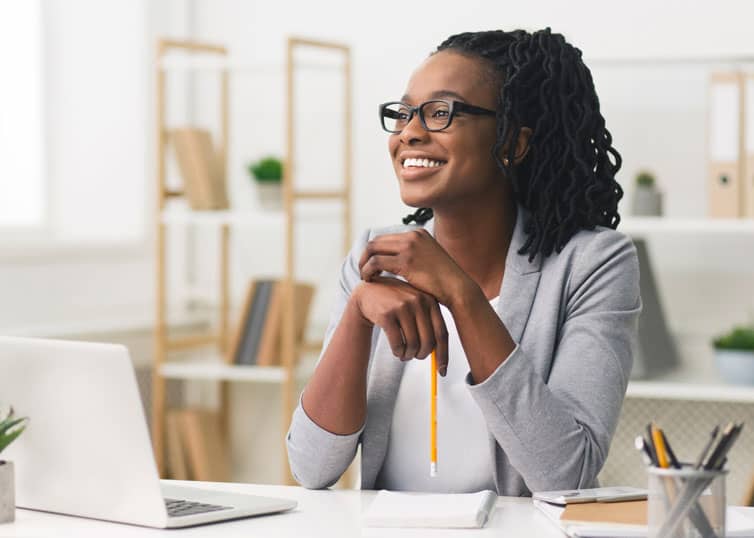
[10,428]
[267,170]
[740,338]
[645,179]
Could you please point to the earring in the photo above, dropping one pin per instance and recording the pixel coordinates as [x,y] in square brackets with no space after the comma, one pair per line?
[506,162]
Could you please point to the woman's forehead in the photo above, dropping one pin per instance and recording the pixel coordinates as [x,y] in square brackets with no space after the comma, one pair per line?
[455,75]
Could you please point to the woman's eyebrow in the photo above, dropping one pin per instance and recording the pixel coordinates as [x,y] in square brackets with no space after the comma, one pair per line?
[439,94]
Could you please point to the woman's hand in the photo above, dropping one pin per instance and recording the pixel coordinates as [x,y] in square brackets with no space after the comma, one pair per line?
[410,318]
[418,258]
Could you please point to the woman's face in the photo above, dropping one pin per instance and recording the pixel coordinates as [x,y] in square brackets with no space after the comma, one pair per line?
[467,170]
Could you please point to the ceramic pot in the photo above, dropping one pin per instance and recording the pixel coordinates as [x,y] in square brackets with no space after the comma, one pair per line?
[7,492]
[647,202]
[736,366]
[270,195]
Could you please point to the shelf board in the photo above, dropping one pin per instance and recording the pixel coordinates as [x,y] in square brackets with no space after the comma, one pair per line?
[205,62]
[218,371]
[642,226]
[238,217]
[676,390]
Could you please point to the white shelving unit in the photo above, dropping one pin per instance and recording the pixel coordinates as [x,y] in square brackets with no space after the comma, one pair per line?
[692,391]
[682,384]
[646,226]
[205,355]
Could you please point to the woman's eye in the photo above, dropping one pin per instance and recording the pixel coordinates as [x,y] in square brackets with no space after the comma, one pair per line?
[440,114]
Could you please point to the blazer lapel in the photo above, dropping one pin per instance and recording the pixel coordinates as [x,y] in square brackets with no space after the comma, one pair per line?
[520,283]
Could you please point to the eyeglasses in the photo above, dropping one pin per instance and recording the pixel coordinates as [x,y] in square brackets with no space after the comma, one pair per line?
[434,115]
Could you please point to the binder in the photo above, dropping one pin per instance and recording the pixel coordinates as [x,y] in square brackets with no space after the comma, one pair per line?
[727,196]
[748,133]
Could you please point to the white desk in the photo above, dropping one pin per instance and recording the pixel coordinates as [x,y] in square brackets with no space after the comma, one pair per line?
[331,514]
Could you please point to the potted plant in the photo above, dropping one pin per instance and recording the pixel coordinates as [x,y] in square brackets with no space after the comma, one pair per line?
[268,173]
[10,428]
[647,200]
[734,353]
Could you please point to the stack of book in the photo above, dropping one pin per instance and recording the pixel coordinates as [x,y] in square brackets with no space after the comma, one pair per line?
[258,336]
[197,446]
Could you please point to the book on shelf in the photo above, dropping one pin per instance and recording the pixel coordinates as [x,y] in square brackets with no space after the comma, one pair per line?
[200,168]
[259,332]
[205,445]
[177,465]
[270,347]
[251,322]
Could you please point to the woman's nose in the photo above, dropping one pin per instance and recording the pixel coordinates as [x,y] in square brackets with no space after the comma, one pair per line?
[413,131]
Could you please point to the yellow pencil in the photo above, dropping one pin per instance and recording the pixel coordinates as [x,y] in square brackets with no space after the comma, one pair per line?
[433,418]
[662,455]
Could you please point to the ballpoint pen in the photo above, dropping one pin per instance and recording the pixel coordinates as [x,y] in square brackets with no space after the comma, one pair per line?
[700,460]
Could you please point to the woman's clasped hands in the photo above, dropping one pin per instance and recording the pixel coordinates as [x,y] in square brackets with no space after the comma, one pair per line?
[408,309]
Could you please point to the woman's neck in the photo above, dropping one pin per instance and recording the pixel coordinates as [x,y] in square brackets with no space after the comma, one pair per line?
[477,237]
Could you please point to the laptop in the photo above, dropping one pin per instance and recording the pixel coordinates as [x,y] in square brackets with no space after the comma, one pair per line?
[86,450]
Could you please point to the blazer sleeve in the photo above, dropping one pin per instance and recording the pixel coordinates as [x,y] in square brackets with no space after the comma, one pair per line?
[556,432]
[317,457]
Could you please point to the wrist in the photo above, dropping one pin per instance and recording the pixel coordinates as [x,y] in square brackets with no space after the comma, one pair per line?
[464,298]
[353,310]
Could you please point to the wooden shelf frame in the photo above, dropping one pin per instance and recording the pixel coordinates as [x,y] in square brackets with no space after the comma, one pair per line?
[221,369]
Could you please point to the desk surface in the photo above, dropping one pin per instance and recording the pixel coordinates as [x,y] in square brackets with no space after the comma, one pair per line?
[331,514]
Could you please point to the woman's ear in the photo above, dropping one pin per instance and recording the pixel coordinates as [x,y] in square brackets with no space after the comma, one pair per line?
[522,145]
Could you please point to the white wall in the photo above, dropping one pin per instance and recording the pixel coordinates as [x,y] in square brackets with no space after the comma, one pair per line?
[94,271]
[100,111]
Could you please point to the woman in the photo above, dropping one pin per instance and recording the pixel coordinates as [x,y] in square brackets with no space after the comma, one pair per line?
[512,271]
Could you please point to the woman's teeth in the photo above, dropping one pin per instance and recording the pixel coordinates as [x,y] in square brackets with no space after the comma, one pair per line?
[422,163]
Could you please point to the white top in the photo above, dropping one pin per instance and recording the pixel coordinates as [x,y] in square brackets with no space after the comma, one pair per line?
[464,459]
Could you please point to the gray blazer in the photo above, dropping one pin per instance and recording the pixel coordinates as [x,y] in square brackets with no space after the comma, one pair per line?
[551,408]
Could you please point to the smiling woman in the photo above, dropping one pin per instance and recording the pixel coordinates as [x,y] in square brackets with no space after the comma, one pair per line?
[512,272]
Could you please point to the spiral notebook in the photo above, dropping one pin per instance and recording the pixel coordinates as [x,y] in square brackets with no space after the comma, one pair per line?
[430,510]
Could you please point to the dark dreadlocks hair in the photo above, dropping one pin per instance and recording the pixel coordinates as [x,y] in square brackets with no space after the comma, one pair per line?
[566,180]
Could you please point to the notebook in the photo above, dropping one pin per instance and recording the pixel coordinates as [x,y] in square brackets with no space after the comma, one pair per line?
[430,510]
[626,519]
[605,495]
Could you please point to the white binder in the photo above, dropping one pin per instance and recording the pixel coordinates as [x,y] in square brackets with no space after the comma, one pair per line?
[727,191]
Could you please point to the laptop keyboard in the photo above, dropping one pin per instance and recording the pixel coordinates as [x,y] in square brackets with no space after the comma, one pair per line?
[178,507]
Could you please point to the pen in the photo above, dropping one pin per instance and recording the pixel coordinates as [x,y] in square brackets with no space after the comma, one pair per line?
[433,417]
[706,449]
[641,445]
[651,445]
[718,457]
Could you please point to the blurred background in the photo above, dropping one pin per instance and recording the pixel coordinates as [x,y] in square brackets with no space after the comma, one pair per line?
[135,207]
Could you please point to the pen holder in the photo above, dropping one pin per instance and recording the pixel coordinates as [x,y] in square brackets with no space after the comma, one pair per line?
[686,503]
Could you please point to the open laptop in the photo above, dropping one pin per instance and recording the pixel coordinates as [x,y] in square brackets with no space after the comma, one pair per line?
[86,451]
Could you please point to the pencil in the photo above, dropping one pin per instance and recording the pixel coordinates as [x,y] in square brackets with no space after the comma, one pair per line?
[659,442]
[433,418]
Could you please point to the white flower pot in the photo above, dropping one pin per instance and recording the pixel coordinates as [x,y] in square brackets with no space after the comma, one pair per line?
[647,202]
[736,366]
[270,196]
[7,493]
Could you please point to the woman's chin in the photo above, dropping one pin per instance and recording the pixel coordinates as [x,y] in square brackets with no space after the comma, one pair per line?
[412,198]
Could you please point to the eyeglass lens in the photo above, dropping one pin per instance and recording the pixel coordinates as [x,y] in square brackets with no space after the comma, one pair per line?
[435,115]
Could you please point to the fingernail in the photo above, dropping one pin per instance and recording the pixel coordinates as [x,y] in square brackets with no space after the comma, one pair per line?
[443,371]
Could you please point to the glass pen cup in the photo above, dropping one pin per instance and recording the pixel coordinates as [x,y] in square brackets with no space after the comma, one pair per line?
[686,503]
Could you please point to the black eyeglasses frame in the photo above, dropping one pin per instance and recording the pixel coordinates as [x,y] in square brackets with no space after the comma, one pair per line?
[453,107]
